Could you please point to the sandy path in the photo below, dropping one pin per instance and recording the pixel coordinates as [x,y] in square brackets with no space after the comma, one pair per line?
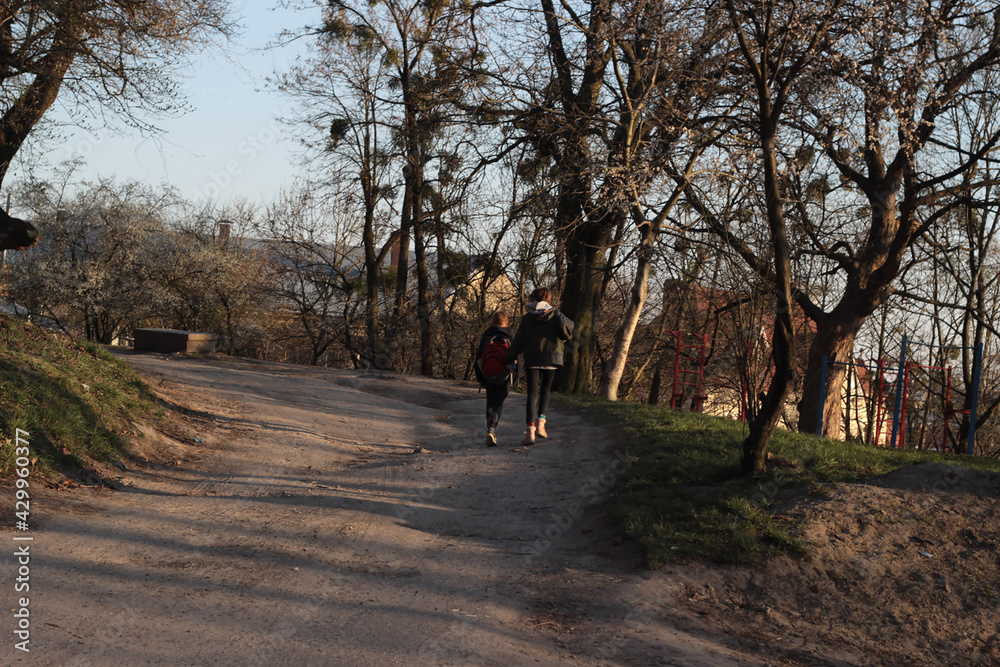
[300,527]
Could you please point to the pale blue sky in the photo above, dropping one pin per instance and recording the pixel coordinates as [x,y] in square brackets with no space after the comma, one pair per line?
[232,143]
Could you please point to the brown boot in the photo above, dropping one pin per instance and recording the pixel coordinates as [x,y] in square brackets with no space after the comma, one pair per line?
[540,429]
[529,436]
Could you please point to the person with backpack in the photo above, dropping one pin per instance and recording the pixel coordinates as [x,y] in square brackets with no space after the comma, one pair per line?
[540,337]
[494,371]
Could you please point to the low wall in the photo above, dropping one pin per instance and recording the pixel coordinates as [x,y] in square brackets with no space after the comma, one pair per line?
[173,340]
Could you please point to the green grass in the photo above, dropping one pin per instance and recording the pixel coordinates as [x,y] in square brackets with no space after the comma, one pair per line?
[681,496]
[75,400]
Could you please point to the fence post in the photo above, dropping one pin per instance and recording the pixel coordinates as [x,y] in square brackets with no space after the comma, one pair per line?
[976,368]
[822,397]
[898,408]
[677,370]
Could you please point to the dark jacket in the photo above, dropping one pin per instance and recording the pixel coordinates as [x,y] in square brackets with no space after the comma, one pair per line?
[540,336]
[488,335]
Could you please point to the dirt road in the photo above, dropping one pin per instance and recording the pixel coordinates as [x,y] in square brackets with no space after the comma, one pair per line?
[315,517]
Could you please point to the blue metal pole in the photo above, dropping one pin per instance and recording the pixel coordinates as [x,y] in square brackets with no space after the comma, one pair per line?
[976,368]
[822,397]
[898,408]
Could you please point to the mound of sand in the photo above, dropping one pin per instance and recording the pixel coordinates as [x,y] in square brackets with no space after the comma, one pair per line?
[902,570]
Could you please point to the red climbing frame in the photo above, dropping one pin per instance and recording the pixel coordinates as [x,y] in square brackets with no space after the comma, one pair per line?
[689,370]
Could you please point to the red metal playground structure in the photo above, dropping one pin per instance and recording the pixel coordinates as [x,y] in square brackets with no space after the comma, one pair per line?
[689,370]
[909,400]
[692,387]
[916,406]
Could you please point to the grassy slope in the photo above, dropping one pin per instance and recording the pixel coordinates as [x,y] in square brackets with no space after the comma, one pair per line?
[75,400]
[681,496]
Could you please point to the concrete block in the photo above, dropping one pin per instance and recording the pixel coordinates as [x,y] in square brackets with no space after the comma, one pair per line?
[173,340]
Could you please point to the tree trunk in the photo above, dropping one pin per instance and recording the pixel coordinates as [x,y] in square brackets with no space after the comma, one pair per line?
[866,291]
[834,340]
[423,286]
[371,272]
[763,425]
[612,375]
[25,112]
[783,342]
[585,253]
[403,254]
[654,388]
[783,353]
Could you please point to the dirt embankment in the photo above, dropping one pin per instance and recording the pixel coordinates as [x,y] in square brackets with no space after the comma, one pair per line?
[902,571]
[287,515]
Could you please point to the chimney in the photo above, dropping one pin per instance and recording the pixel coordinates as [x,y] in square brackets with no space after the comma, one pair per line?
[394,254]
[222,240]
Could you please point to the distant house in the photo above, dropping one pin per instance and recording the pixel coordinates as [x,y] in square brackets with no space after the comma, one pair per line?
[496,293]
[736,328]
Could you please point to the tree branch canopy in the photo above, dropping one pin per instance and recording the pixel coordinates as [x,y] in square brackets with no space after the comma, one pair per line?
[118,56]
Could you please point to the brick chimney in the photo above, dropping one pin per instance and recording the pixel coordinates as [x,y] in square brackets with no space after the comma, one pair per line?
[394,254]
[222,240]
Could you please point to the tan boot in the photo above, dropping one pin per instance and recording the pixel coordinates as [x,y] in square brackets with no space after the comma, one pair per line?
[529,436]
[540,429]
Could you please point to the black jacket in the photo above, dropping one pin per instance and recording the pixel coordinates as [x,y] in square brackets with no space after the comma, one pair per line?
[541,337]
[488,335]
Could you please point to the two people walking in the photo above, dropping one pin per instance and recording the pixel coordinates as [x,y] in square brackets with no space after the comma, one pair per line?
[540,338]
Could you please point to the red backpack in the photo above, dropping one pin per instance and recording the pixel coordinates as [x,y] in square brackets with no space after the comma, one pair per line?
[493,360]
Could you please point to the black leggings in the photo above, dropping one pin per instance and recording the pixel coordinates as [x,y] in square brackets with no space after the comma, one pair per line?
[539,387]
[495,396]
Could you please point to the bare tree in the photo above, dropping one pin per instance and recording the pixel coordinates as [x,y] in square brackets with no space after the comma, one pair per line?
[425,55]
[342,91]
[115,56]
[319,276]
[881,102]
[663,59]
[954,274]
[779,44]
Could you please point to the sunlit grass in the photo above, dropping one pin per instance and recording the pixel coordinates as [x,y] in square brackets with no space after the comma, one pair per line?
[681,495]
[75,400]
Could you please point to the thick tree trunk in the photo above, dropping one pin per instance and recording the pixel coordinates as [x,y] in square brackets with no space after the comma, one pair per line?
[585,253]
[834,340]
[578,92]
[24,113]
[371,274]
[443,313]
[654,388]
[412,184]
[403,254]
[865,293]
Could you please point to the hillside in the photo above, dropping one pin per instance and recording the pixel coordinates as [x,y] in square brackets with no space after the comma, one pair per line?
[77,402]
